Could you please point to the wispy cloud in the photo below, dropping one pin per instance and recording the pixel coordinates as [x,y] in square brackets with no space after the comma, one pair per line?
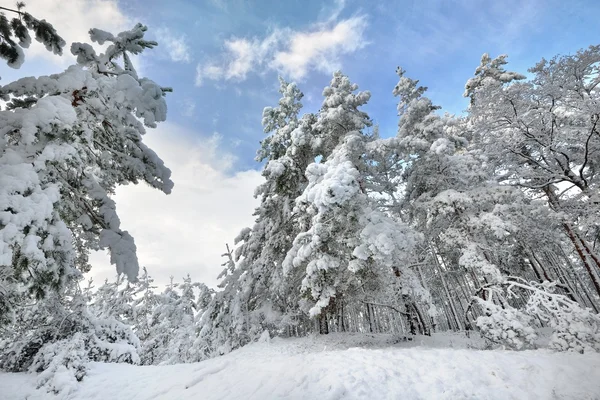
[320,50]
[436,28]
[332,11]
[240,57]
[176,46]
[187,107]
[292,53]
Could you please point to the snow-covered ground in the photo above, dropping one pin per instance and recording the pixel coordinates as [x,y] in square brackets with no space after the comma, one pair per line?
[343,367]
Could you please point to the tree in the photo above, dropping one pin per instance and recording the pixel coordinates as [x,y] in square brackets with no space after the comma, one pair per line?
[65,147]
[348,243]
[167,322]
[436,174]
[58,336]
[542,134]
[67,141]
[254,296]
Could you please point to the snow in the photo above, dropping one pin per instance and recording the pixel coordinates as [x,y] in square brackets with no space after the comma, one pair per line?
[100,36]
[275,168]
[344,366]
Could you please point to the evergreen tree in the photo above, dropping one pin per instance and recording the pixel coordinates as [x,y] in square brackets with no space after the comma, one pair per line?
[542,134]
[63,151]
[254,296]
[58,336]
[348,242]
[68,140]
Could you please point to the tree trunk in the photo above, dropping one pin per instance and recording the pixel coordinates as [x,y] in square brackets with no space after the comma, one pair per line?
[323,325]
[590,251]
[340,317]
[582,255]
[424,328]
[411,316]
[537,264]
[370,317]
[580,245]
[563,278]
[445,285]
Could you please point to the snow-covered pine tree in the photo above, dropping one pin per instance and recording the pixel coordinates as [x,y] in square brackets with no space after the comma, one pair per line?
[143,308]
[423,144]
[219,328]
[469,220]
[537,136]
[59,335]
[348,245]
[67,141]
[62,153]
[115,299]
[180,346]
[254,295]
[542,133]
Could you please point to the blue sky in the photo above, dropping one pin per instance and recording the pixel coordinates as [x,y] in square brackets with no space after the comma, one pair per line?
[223,57]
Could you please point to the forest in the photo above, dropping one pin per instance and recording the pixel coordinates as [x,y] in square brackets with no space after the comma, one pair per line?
[484,223]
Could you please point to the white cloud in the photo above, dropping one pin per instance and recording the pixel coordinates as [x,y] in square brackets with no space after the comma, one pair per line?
[321,50]
[292,53]
[175,45]
[212,72]
[240,57]
[243,57]
[186,231]
[72,20]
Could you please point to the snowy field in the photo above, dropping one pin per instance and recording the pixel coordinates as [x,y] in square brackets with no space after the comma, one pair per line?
[343,367]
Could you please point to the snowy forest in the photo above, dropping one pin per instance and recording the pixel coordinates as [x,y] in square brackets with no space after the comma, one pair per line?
[484,223]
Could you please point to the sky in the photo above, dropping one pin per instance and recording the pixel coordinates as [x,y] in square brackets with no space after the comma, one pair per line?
[223,57]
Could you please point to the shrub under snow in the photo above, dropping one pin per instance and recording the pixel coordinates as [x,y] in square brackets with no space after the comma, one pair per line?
[574,328]
[507,326]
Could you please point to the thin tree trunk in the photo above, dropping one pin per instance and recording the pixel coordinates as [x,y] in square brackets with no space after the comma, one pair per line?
[539,266]
[370,317]
[425,328]
[323,323]
[590,251]
[579,282]
[445,285]
[580,245]
[563,278]
[410,318]
[341,317]
[584,259]
[538,274]
[446,312]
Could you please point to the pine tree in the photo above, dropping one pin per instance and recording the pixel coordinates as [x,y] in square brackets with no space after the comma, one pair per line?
[77,137]
[58,336]
[348,243]
[254,294]
[543,134]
